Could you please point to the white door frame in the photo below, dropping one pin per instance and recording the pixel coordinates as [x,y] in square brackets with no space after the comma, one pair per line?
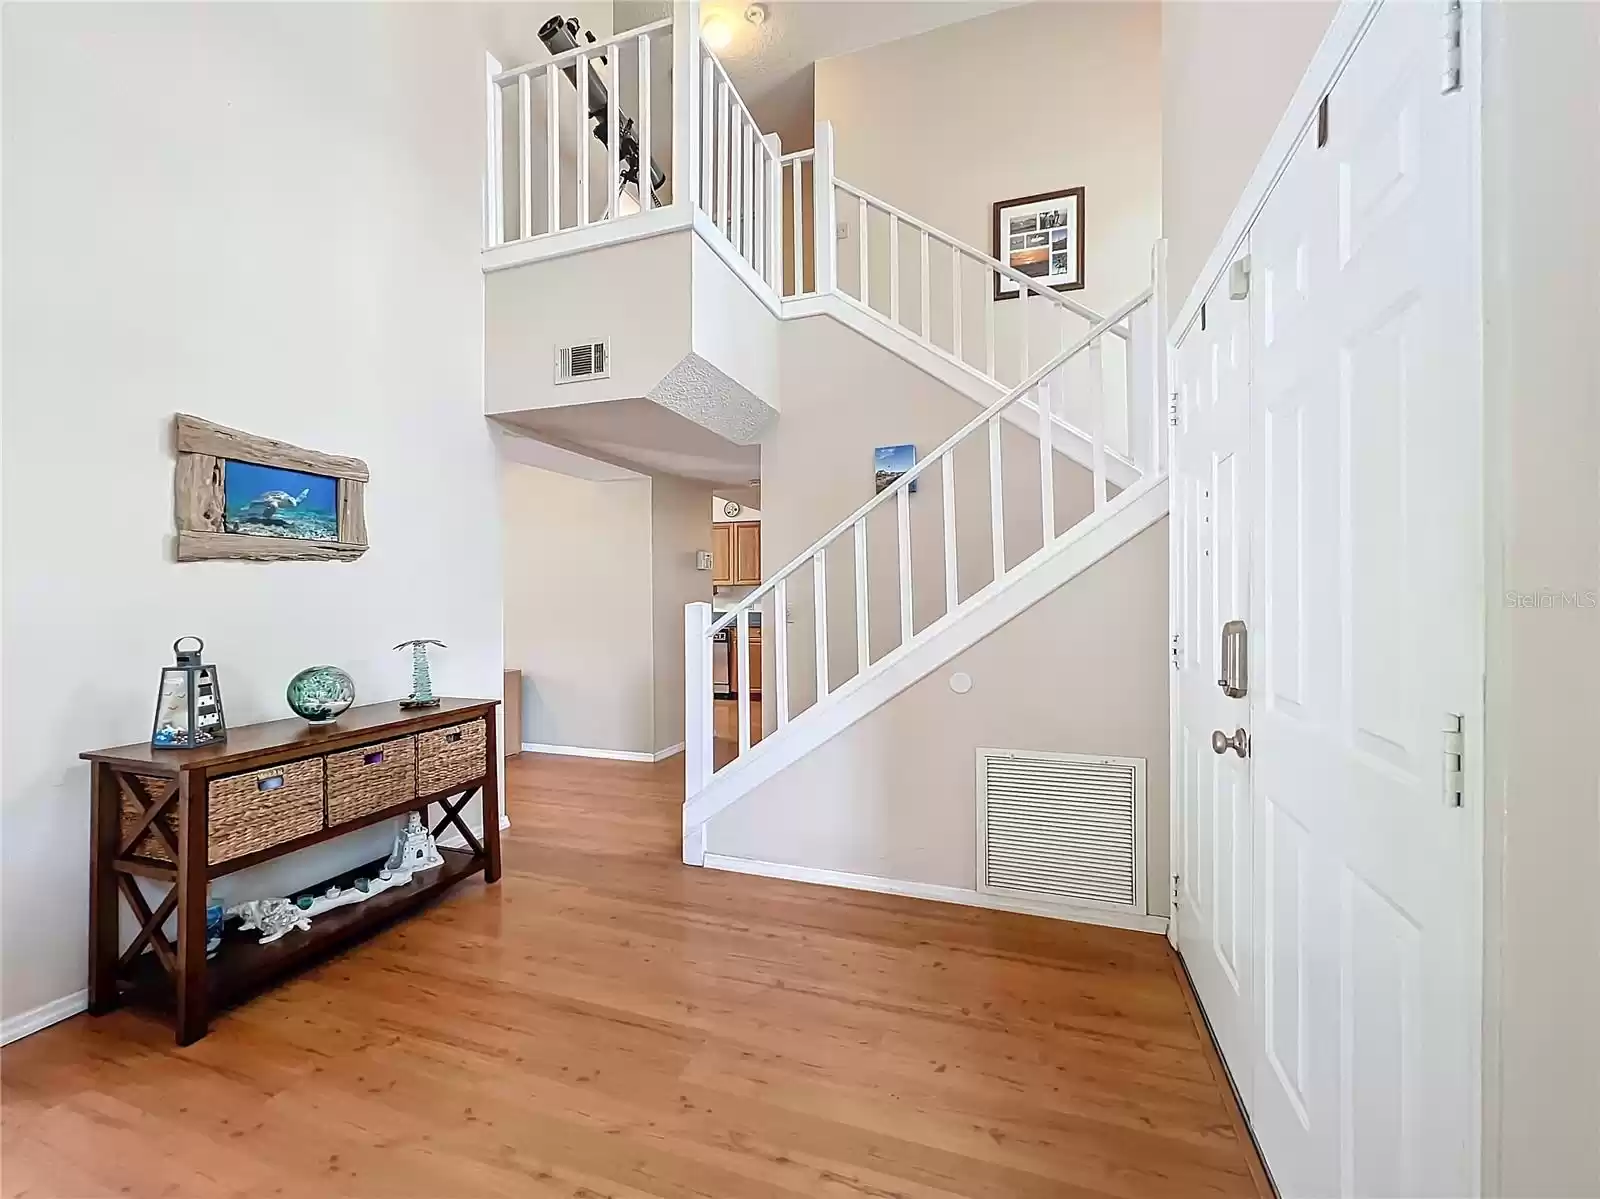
[1349,23]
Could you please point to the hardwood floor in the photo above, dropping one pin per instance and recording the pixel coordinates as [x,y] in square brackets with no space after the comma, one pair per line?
[608,1022]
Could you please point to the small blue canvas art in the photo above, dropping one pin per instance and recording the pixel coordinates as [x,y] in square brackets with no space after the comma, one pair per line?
[268,501]
[890,462]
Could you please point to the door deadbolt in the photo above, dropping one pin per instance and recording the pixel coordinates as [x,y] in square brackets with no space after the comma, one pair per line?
[1221,743]
[1235,680]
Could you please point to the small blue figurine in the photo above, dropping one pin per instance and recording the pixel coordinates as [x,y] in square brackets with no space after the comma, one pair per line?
[421,683]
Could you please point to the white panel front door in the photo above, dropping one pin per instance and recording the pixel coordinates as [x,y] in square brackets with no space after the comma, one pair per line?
[1212,488]
[1365,588]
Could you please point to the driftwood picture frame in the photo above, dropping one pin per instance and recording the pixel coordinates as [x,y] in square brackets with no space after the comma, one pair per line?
[205,451]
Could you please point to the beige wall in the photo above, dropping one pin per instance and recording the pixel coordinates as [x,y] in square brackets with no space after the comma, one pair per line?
[1026,100]
[1228,68]
[597,576]
[578,618]
[679,527]
[816,468]
[1083,671]
[268,215]
[1541,158]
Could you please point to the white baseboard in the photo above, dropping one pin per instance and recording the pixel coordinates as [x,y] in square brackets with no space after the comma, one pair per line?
[964,896]
[612,755]
[43,1016]
[672,751]
[452,839]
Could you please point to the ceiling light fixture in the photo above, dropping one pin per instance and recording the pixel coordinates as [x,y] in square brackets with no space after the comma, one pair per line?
[756,14]
[716,33]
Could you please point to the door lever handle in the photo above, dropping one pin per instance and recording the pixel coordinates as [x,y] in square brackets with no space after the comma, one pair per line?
[1221,743]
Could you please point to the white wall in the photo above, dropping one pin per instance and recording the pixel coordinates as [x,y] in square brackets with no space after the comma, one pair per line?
[679,529]
[270,216]
[578,610]
[1228,68]
[1541,162]
[1027,100]
[894,795]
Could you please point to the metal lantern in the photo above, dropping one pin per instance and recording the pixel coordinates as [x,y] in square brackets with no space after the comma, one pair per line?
[189,702]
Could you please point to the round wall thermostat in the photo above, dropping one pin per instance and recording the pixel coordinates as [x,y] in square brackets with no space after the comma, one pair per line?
[961,682]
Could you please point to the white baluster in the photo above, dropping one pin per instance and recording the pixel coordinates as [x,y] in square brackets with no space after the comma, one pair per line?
[1097,405]
[824,212]
[525,155]
[894,268]
[759,190]
[902,514]
[1022,313]
[742,645]
[799,232]
[947,485]
[819,594]
[494,220]
[735,176]
[1160,421]
[1047,465]
[647,192]
[927,332]
[780,649]
[862,220]
[582,141]
[724,161]
[708,141]
[955,292]
[997,508]
[614,131]
[991,280]
[863,649]
[552,136]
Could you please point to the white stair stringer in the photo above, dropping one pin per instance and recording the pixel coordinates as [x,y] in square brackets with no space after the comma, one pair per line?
[1092,539]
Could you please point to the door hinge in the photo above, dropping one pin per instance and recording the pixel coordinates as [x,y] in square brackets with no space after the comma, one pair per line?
[1177,650]
[1174,892]
[1455,748]
[1450,80]
[1172,410]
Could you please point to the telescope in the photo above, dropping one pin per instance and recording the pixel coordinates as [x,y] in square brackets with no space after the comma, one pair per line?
[560,34]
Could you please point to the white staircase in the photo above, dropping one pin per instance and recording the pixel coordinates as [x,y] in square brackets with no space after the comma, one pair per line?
[1087,389]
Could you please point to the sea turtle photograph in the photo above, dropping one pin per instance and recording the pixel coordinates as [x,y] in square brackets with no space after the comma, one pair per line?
[267,501]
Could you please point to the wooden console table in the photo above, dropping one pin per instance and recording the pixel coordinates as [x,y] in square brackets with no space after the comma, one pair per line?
[185,817]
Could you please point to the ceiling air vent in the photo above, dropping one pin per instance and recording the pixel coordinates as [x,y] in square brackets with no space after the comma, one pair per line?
[587,360]
[1065,828]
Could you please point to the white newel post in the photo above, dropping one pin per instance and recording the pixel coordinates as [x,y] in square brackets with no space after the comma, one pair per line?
[685,105]
[696,718]
[774,253]
[824,220]
[493,177]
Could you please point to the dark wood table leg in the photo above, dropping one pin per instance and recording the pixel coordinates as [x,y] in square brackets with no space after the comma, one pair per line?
[490,803]
[191,976]
[105,826]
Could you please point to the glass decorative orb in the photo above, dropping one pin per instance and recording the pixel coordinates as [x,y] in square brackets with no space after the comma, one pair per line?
[320,694]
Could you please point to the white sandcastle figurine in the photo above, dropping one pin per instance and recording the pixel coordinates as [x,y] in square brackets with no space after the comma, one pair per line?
[413,850]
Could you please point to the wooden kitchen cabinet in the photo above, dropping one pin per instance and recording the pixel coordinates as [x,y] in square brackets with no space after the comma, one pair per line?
[747,553]
[721,555]
[755,664]
[736,554]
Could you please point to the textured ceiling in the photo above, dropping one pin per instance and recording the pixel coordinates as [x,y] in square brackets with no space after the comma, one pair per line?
[771,63]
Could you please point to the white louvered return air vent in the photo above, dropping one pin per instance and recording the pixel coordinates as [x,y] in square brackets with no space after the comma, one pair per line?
[588,360]
[1065,828]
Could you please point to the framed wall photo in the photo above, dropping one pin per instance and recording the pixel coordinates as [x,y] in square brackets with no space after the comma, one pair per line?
[1042,237]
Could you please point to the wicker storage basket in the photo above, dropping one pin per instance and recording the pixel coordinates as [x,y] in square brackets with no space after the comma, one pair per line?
[149,845]
[449,757]
[370,778]
[251,812]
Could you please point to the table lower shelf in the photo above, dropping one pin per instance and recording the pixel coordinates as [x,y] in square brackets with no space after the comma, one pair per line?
[242,966]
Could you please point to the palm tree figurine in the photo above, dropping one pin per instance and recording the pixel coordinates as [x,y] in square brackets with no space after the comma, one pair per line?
[421,684]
